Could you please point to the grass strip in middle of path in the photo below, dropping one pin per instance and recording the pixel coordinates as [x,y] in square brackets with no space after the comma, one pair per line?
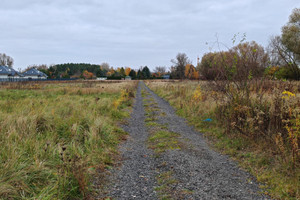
[161,140]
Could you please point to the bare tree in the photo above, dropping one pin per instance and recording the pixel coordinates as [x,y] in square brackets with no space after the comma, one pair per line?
[42,67]
[282,56]
[285,49]
[6,60]
[180,62]
[160,69]
[105,66]
[39,67]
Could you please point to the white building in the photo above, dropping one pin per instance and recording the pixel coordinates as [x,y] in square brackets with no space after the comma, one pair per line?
[101,78]
[33,73]
[9,73]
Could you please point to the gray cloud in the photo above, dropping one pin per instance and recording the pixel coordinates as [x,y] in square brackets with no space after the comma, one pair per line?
[131,33]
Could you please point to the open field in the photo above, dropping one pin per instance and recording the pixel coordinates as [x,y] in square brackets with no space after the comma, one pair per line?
[261,130]
[55,136]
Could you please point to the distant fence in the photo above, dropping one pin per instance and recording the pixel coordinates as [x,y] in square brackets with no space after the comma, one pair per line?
[34,79]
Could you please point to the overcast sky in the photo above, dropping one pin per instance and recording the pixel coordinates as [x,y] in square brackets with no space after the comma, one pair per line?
[131,32]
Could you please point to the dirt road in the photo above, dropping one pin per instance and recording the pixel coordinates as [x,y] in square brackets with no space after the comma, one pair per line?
[164,158]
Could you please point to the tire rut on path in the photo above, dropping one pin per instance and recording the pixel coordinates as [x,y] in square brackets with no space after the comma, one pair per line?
[136,178]
[193,171]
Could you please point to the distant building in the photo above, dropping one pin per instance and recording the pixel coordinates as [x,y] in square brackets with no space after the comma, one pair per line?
[128,78]
[4,72]
[166,76]
[33,73]
[101,78]
[9,73]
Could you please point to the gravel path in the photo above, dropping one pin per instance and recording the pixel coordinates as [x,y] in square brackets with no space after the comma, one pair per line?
[136,178]
[194,171]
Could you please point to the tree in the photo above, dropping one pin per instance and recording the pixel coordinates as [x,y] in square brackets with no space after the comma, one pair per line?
[72,69]
[41,67]
[111,72]
[45,69]
[251,60]
[52,72]
[87,75]
[100,73]
[207,66]
[291,33]
[146,73]
[281,56]
[132,74]
[284,50]
[279,53]
[127,71]
[160,70]
[6,60]
[105,66]
[195,75]
[242,62]
[122,71]
[191,72]
[139,74]
[178,68]
[66,75]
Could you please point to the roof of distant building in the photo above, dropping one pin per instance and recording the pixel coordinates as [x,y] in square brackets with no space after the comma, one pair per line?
[34,72]
[4,70]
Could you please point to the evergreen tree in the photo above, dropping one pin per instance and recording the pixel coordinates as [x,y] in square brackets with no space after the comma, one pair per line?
[132,73]
[146,72]
[122,72]
[139,75]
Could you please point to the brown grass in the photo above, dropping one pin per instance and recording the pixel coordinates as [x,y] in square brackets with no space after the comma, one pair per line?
[261,130]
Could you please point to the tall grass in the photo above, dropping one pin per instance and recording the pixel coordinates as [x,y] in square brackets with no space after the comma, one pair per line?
[262,130]
[53,138]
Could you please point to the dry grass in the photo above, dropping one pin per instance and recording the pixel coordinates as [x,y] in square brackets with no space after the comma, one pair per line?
[55,136]
[261,131]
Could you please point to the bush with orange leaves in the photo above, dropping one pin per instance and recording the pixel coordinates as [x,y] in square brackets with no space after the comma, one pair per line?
[191,72]
[87,75]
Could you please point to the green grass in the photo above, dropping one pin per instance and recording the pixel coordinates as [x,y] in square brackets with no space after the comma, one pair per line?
[163,140]
[155,125]
[165,181]
[52,140]
[160,138]
[152,124]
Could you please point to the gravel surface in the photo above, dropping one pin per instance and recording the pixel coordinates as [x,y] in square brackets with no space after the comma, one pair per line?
[199,171]
[136,177]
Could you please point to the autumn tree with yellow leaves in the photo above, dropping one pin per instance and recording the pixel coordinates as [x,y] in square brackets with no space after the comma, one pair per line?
[191,72]
[127,71]
[111,72]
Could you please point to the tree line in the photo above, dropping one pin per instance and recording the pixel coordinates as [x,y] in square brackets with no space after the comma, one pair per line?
[91,71]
